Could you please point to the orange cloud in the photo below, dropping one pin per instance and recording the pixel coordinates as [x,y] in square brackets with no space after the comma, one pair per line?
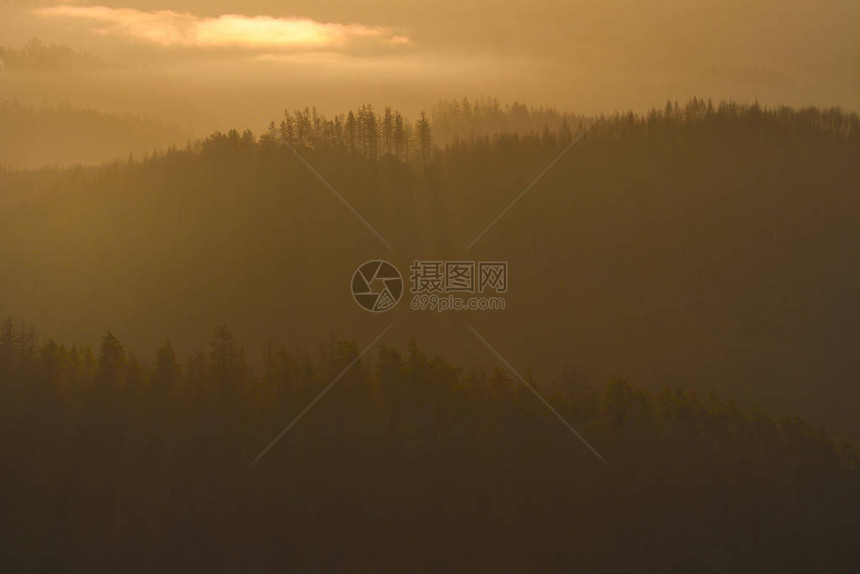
[169,28]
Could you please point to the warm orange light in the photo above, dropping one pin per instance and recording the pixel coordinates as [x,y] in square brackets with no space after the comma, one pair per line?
[169,28]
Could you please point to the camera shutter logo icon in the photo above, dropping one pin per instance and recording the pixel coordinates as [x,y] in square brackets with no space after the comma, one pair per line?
[377,286]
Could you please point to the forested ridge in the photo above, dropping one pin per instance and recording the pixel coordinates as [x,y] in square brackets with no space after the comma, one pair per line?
[117,462]
[371,287]
[670,271]
[713,244]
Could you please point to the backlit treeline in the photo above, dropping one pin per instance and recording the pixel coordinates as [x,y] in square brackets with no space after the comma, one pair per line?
[371,135]
[363,133]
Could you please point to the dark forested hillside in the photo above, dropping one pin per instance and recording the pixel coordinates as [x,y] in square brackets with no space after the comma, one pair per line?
[299,306]
[713,246]
[113,462]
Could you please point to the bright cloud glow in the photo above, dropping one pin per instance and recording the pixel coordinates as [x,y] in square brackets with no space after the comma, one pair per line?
[169,28]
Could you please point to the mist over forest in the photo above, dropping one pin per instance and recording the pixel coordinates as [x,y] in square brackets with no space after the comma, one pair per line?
[684,245]
[389,286]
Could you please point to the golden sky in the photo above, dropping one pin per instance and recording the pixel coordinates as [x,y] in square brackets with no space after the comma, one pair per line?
[169,29]
[588,56]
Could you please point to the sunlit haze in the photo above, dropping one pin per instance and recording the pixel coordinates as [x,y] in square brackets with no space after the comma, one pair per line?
[408,286]
[581,56]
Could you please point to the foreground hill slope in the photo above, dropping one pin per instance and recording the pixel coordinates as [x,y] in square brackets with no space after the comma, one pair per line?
[408,463]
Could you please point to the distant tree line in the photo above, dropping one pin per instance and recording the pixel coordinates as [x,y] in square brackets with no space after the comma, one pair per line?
[454,124]
[51,135]
[363,133]
[36,56]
